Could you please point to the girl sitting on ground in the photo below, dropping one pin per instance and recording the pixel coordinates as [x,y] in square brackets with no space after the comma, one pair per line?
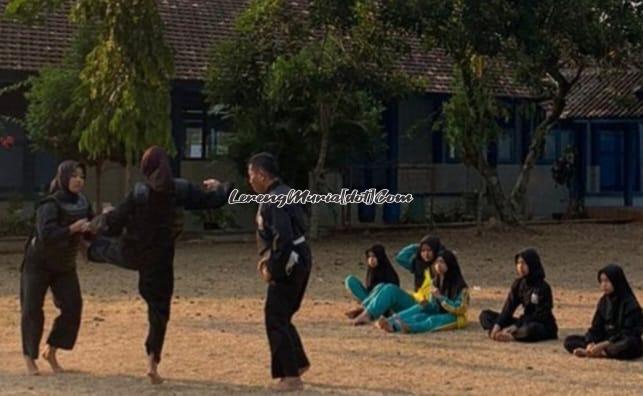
[379,271]
[447,307]
[617,323]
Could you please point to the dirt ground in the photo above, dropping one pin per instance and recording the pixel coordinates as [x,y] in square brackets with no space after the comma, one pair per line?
[216,342]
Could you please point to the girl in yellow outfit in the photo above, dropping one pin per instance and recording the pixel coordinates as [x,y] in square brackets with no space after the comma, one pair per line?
[447,308]
[417,258]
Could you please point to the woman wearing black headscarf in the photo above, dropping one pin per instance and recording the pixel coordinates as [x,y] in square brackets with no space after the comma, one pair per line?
[417,258]
[534,294]
[447,308]
[617,323]
[140,234]
[379,271]
[50,262]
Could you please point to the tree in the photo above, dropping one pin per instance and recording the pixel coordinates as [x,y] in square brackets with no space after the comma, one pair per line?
[309,81]
[55,105]
[122,98]
[7,141]
[548,44]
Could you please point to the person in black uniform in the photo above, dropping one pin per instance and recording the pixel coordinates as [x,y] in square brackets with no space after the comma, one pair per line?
[532,292]
[50,262]
[140,233]
[617,323]
[285,265]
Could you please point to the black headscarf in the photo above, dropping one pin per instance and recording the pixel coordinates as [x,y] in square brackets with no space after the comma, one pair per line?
[623,299]
[60,182]
[618,280]
[536,273]
[155,165]
[384,272]
[453,282]
[419,265]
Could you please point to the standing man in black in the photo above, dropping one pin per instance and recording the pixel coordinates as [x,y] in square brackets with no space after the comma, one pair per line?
[285,265]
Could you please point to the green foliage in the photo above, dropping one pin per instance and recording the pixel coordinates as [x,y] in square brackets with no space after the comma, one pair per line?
[114,84]
[14,222]
[290,78]
[55,106]
[542,45]
[472,112]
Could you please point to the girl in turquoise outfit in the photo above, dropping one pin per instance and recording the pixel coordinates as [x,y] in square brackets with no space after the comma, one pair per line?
[447,308]
[379,271]
[389,297]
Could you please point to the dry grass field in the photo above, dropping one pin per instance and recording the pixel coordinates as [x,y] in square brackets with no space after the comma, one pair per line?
[216,342]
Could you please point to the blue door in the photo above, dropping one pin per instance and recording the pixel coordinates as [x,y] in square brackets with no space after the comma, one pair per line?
[612,160]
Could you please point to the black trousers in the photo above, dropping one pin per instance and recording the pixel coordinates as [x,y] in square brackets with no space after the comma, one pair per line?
[283,301]
[34,282]
[156,286]
[155,283]
[626,348]
[527,332]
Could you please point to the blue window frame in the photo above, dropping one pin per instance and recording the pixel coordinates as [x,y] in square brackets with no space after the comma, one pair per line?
[612,160]
[555,144]
[204,137]
[507,146]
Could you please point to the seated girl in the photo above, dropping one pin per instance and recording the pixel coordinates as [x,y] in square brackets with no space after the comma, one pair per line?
[418,258]
[447,308]
[388,297]
[534,294]
[379,271]
[616,327]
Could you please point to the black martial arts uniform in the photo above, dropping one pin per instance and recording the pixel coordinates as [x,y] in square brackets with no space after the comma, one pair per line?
[281,239]
[140,235]
[532,292]
[50,262]
[618,319]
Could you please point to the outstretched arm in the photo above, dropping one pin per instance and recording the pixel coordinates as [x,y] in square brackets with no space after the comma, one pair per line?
[214,194]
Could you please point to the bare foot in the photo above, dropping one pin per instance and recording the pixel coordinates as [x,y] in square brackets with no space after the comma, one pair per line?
[405,328]
[362,319]
[597,354]
[153,373]
[288,384]
[504,337]
[50,356]
[580,352]
[303,370]
[353,313]
[32,367]
[383,324]
[155,378]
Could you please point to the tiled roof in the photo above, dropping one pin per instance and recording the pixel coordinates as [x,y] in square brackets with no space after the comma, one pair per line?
[606,94]
[191,28]
[25,48]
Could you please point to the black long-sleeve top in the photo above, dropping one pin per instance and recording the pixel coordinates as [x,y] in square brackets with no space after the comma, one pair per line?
[278,229]
[537,301]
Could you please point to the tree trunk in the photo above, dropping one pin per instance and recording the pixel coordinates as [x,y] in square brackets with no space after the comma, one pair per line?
[494,191]
[519,190]
[99,178]
[127,178]
[480,205]
[314,179]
